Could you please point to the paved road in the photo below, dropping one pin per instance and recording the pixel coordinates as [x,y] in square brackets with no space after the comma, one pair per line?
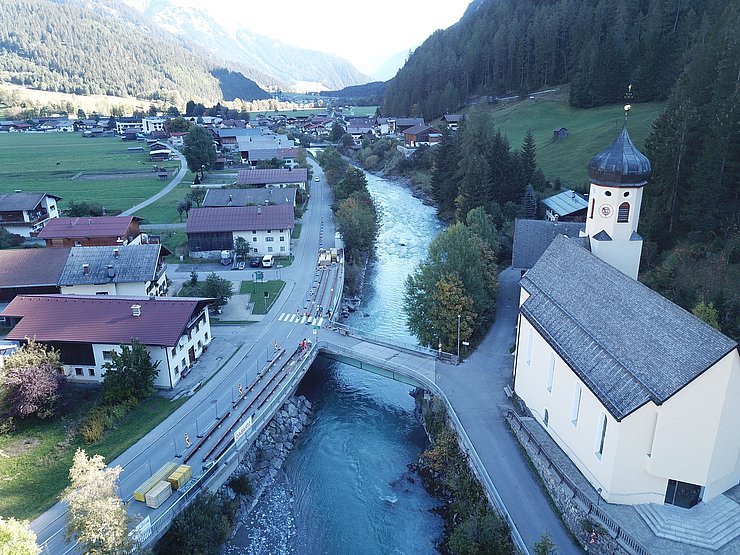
[174,183]
[476,391]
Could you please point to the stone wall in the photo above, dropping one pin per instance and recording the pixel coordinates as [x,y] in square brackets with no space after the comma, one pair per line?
[265,457]
[573,512]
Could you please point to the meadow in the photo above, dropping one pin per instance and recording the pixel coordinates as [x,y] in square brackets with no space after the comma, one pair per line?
[100,170]
[590,131]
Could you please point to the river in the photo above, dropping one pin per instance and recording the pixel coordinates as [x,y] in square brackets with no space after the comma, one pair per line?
[345,487]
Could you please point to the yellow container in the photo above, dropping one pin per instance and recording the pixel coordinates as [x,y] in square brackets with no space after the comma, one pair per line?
[180,476]
[158,494]
[158,476]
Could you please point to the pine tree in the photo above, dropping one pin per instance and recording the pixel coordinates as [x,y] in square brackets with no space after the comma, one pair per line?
[529,203]
[528,157]
[444,184]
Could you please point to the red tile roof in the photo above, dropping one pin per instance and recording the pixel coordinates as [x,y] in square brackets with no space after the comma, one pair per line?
[240,218]
[101,226]
[101,319]
[31,267]
[271,176]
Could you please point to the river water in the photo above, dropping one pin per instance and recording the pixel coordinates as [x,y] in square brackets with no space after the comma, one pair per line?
[345,487]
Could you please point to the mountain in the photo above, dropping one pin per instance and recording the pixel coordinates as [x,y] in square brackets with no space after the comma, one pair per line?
[513,47]
[390,67]
[287,66]
[369,94]
[114,52]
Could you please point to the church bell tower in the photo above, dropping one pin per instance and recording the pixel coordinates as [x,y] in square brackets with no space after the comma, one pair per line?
[617,176]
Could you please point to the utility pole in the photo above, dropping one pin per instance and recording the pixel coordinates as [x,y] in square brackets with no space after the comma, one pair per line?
[458,337]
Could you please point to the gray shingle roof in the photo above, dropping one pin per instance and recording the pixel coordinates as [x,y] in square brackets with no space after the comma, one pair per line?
[625,342]
[31,267]
[244,197]
[134,263]
[532,237]
[566,203]
[22,201]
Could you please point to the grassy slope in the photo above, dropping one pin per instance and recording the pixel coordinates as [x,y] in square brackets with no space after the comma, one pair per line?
[47,162]
[590,130]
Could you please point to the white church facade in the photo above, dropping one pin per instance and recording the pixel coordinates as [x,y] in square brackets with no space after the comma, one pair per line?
[642,396]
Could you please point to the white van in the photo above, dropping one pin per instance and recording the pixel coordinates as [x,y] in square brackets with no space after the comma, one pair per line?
[267,261]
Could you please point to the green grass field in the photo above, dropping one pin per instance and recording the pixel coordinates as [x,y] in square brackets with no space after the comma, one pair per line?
[257,292]
[67,165]
[590,131]
[36,457]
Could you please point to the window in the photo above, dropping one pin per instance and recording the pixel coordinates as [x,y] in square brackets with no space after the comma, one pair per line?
[255,250]
[600,436]
[529,346]
[177,370]
[269,231]
[200,345]
[92,371]
[101,293]
[269,249]
[282,249]
[184,364]
[254,240]
[593,207]
[282,237]
[547,418]
[575,406]
[174,352]
[206,337]
[269,239]
[623,216]
[550,371]
[107,355]
[683,494]
[78,371]
[607,193]
[282,230]
[78,244]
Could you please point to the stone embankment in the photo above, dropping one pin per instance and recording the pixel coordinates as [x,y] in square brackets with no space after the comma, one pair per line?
[264,459]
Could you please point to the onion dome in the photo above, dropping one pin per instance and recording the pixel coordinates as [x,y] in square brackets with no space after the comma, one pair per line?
[620,164]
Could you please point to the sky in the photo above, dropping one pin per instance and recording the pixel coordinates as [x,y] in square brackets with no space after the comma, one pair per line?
[367,32]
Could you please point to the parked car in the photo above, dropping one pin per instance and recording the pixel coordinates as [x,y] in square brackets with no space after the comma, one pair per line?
[255,262]
[267,261]
[317,178]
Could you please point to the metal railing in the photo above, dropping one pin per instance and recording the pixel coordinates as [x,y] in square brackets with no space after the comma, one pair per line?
[623,537]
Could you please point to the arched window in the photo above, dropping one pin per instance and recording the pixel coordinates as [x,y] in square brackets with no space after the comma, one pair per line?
[547,418]
[624,213]
[593,206]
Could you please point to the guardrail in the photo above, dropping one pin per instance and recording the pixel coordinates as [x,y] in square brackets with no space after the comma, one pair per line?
[624,539]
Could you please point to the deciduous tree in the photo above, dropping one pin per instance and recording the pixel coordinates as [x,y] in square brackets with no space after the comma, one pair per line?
[17,538]
[198,150]
[130,374]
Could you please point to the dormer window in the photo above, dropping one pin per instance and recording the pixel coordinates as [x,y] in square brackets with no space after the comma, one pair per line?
[623,216]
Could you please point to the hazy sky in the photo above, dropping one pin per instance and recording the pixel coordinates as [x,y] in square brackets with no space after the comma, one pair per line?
[365,32]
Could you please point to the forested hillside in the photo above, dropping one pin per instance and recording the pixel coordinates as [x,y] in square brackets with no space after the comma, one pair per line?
[88,48]
[504,47]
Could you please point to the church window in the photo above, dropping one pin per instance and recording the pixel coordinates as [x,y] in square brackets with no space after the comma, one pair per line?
[600,436]
[547,418]
[575,407]
[626,194]
[607,193]
[593,207]
[550,372]
[623,216]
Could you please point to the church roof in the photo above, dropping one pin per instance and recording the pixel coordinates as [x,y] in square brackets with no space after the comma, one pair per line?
[628,344]
[620,164]
[532,237]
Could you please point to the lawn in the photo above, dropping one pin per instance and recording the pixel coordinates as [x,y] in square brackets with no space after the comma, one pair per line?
[590,131]
[296,233]
[68,165]
[35,458]
[257,291]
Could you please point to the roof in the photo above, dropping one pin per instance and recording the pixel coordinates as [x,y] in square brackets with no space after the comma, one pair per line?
[101,319]
[620,164]
[31,267]
[22,201]
[271,176]
[409,121]
[417,129]
[628,344]
[101,226]
[240,218]
[133,263]
[244,197]
[532,237]
[453,118]
[566,203]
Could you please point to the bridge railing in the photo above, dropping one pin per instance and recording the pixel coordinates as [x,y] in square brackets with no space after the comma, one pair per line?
[392,342]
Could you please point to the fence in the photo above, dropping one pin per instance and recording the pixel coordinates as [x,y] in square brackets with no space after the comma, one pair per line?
[625,540]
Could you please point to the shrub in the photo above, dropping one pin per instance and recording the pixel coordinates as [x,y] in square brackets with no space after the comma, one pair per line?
[92,428]
[241,484]
[200,529]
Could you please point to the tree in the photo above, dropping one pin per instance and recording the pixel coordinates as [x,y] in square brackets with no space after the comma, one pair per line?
[448,301]
[17,538]
[184,206]
[241,248]
[218,288]
[359,224]
[347,140]
[707,313]
[545,546]
[528,156]
[130,374]
[337,131]
[177,125]
[444,184]
[198,150]
[200,529]
[9,240]
[96,514]
[529,203]
[197,195]
[480,223]
[81,114]
[82,208]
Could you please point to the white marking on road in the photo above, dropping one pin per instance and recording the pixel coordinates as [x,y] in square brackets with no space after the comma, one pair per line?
[320,322]
[303,320]
[282,317]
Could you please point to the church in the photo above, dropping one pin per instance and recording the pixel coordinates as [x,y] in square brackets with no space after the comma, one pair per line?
[641,395]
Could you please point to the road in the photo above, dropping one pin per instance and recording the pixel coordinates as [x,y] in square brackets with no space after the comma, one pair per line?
[174,183]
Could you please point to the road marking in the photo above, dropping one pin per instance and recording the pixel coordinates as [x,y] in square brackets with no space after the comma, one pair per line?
[303,320]
[320,322]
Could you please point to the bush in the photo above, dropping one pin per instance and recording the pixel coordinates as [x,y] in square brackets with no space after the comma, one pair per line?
[241,484]
[103,418]
[92,428]
[200,529]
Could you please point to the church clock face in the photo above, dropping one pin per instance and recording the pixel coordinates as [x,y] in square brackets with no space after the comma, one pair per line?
[605,210]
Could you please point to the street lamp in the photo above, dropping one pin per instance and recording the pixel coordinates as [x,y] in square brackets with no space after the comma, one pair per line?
[458,336]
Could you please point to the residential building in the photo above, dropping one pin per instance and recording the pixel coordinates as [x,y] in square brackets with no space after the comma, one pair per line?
[128,124]
[283,177]
[453,120]
[567,206]
[267,229]
[249,197]
[641,395]
[419,135]
[402,124]
[286,156]
[30,272]
[149,125]
[560,133]
[26,214]
[92,231]
[86,329]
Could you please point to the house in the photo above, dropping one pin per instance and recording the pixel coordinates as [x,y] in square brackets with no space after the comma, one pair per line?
[26,214]
[567,206]
[386,126]
[249,197]
[30,272]
[286,156]
[643,397]
[128,124]
[289,177]
[421,135]
[152,124]
[560,133]
[134,270]
[453,120]
[92,231]
[402,124]
[267,229]
[177,139]
[86,329]
[532,237]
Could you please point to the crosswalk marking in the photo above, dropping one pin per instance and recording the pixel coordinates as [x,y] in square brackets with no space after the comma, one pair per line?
[292,318]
